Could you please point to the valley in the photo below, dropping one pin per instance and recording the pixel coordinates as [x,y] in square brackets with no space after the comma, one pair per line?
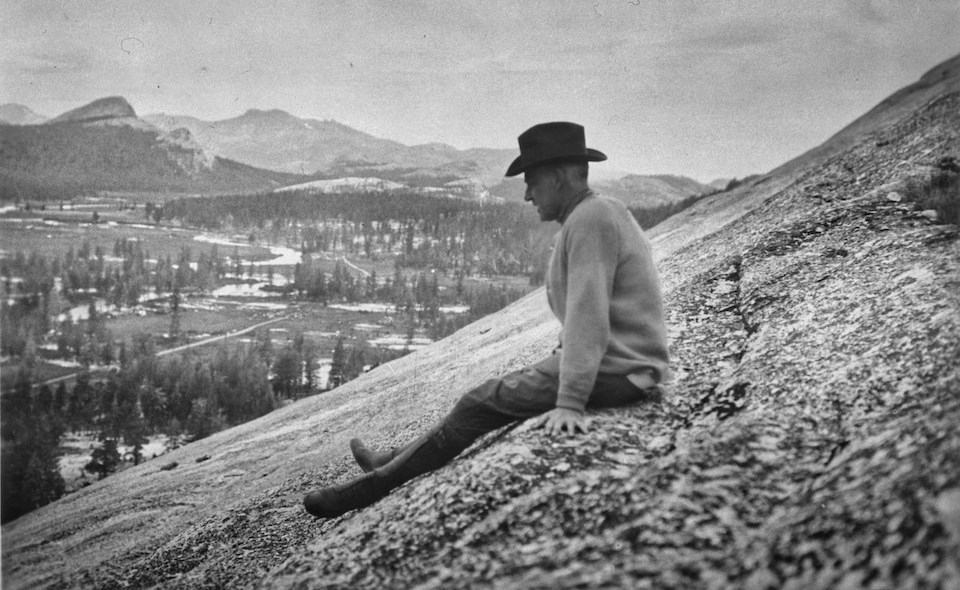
[96,288]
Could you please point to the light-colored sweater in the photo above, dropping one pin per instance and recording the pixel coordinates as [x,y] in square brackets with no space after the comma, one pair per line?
[603,286]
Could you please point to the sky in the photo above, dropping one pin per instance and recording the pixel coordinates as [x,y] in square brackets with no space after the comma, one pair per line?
[706,89]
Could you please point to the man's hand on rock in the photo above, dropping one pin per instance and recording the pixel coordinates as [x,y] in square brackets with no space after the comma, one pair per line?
[558,420]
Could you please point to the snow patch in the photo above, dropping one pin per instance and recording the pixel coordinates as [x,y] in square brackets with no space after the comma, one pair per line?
[344,184]
[400,342]
[364,307]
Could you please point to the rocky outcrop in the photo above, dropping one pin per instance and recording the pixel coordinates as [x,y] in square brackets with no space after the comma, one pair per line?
[186,153]
[809,439]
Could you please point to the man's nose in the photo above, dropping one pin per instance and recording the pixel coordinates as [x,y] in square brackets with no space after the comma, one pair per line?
[527,196]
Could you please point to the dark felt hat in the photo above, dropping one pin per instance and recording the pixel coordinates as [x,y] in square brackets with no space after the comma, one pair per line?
[549,143]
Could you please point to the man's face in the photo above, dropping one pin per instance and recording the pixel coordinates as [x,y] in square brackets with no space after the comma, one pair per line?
[543,190]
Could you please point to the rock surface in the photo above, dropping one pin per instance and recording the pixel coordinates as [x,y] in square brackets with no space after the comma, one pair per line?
[810,438]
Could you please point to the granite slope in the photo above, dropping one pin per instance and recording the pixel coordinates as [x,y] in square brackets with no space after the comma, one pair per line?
[809,437]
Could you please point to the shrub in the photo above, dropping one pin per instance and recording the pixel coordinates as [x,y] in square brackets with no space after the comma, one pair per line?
[939,192]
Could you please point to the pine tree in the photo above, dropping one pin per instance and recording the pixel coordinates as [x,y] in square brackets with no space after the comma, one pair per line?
[105,458]
[60,397]
[31,475]
[411,329]
[287,370]
[133,426]
[265,345]
[356,360]
[175,313]
[309,364]
[338,365]
[205,418]
[93,318]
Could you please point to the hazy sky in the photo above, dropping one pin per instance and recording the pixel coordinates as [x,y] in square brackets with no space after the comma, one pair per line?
[705,89]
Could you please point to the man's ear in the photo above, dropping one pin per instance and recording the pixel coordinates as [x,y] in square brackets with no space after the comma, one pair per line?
[559,175]
[556,175]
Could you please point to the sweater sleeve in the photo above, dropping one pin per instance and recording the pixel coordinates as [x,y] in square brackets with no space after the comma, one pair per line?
[592,251]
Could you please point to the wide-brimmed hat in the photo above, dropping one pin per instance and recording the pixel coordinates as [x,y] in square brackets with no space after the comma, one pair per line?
[549,143]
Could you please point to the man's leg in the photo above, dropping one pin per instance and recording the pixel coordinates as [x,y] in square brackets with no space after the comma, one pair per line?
[522,394]
[369,459]
[519,395]
[527,393]
[498,402]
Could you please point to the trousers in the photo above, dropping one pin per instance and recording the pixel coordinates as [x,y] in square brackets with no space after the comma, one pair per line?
[523,394]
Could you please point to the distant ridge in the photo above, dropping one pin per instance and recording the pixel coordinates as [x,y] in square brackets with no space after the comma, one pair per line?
[654,191]
[276,140]
[112,107]
[18,114]
[634,190]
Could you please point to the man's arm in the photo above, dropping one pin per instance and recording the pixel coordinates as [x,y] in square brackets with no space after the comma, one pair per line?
[592,251]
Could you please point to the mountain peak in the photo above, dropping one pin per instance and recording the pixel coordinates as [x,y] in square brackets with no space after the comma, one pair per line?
[268,114]
[111,107]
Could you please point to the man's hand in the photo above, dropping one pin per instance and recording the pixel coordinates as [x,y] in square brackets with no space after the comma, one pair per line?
[559,419]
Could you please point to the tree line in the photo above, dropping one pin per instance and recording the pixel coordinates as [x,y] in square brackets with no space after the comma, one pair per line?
[37,290]
[63,160]
[185,397]
[420,231]
[649,217]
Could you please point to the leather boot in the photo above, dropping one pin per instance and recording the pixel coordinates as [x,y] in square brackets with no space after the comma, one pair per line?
[426,454]
[367,459]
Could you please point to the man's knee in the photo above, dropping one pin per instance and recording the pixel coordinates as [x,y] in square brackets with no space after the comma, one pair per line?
[478,397]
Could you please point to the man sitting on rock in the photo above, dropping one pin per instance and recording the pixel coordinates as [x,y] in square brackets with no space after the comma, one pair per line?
[602,285]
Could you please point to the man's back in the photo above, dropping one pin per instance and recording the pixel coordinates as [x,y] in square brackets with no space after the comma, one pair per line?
[604,288]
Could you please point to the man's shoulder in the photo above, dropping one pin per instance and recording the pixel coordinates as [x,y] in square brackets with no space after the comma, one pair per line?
[598,209]
[599,206]
[594,221]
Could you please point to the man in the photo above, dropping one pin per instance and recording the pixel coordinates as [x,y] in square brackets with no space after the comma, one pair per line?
[602,285]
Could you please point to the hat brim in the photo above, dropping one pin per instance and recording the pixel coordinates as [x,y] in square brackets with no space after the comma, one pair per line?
[518,166]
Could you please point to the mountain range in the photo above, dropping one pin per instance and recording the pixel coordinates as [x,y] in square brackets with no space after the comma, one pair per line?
[105,146]
[254,151]
[808,439]
[277,140]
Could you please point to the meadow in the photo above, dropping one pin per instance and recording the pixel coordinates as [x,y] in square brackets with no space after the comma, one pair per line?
[52,233]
